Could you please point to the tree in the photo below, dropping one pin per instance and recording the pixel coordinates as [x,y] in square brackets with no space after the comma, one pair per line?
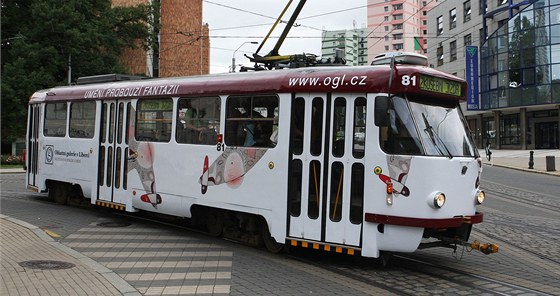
[43,39]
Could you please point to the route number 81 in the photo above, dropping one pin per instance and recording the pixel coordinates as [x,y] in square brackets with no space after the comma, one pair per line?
[407,80]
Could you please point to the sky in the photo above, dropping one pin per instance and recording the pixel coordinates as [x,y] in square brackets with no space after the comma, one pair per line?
[234,22]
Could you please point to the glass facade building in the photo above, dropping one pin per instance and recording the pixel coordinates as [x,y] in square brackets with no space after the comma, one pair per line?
[520,70]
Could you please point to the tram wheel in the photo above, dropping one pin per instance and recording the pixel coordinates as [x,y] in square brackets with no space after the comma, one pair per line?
[58,192]
[269,242]
[215,223]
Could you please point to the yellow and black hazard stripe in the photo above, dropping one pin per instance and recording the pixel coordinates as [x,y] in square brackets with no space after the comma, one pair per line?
[111,205]
[324,247]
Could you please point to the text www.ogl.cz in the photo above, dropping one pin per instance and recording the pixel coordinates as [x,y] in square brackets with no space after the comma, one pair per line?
[333,82]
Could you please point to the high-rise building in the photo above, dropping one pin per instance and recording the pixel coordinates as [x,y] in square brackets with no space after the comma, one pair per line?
[518,102]
[182,45]
[398,25]
[351,45]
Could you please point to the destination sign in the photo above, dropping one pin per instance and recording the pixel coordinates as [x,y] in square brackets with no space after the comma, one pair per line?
[440,85]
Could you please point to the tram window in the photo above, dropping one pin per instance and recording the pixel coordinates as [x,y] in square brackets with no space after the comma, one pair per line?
[400,136]
[101,165]
[120,118]
[198,120]
[294,191]
[129,114]
[125,168]
[55,120]
[153,120]
[250,120]
[314,196]
[298,122]
[337,176]
[358,146]
[111,122]
[82,120]
[357,193]
[316,126]
[339,127]
[104,123]
[118,168]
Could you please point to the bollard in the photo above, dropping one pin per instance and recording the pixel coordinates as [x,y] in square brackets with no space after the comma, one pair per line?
[550,166]
[531,161]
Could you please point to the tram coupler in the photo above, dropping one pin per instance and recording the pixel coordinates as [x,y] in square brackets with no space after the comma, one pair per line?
[475,245]
[484,248]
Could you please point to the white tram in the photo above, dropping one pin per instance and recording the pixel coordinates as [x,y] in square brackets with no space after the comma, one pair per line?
[334,158]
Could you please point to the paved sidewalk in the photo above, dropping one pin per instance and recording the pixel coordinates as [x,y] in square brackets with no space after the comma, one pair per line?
[519,160]
[47,274]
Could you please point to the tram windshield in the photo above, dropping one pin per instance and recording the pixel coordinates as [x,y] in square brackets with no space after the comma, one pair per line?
[419,128]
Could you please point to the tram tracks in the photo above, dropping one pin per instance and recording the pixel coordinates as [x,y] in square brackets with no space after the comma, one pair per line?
[408,275]
[547,203]
[477,282]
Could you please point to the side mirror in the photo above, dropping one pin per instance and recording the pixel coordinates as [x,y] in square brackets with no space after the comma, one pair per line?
[381,111]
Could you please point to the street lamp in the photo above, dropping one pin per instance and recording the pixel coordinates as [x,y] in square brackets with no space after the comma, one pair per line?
[233,57]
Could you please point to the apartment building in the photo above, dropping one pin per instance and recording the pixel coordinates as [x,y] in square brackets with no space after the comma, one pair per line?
[398,25]
[351,44]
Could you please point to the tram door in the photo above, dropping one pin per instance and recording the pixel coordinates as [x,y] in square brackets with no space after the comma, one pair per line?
[32,144]
[327,171]
[113,151]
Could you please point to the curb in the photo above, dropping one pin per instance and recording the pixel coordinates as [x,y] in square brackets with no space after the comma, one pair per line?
[553,174]
[12,171]
[119,283]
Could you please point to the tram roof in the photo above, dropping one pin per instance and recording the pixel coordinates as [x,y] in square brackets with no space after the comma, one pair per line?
[341,79]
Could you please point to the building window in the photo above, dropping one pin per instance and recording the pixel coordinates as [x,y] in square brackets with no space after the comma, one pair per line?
[386,37]
[452,18]
[452,51]
[386,8]
[398,46]
[398,17]
[386,28]
[510,130]
[397,36]
[467,40]
[440,56]
[397,27]
[424,23]
[439,25]
[386,47]
[398,7]
[467,11]
[386,18]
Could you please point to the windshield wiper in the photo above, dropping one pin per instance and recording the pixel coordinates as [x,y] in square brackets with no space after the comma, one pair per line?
[434,136]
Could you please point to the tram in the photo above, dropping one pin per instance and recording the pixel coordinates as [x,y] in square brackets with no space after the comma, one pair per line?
[355,160]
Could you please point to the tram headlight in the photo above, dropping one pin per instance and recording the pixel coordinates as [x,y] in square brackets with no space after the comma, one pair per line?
[480,196]
[439,200]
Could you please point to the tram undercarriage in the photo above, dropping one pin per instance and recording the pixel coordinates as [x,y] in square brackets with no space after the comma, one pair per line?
[453,237]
